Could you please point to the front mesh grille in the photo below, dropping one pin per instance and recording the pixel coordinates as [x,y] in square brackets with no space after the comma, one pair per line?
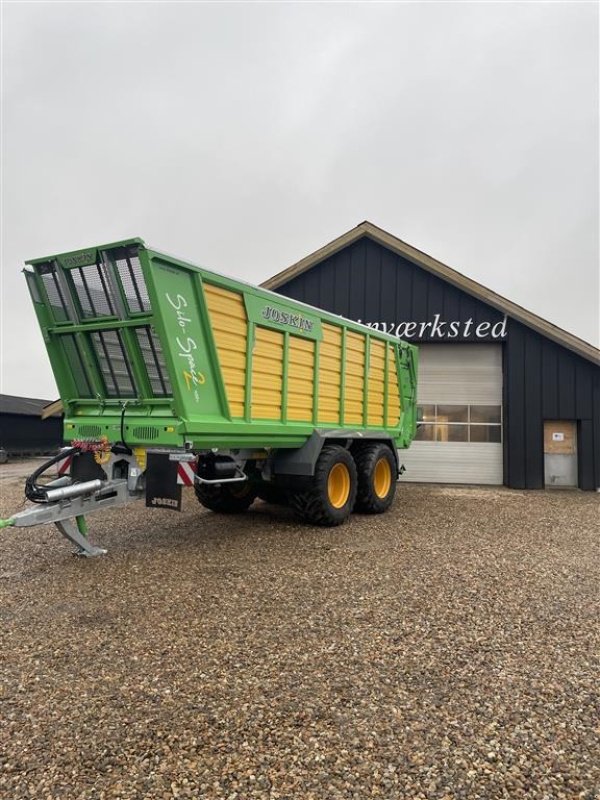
[89,431]
[132,279]
[54,292]
[145,433]
[113,363]
[155,362]
[93,291]
[73,354]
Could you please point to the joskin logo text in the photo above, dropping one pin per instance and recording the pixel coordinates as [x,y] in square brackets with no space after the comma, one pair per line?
[187,346]
[285,318]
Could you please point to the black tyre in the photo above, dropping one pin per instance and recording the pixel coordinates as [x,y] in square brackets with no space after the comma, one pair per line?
[330,499]
[272,494]
[377,472]
[230,498]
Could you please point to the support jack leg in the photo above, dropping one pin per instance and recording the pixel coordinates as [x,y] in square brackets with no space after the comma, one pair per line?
[84,548]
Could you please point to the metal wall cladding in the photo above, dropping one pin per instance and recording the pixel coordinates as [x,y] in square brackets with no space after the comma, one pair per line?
[20,434]
[544,381]
[541,379]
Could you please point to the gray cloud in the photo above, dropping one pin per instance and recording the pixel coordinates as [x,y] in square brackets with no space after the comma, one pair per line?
[245,136]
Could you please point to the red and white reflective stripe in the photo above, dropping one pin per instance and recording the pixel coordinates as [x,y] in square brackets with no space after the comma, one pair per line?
[64,465]
[186,472]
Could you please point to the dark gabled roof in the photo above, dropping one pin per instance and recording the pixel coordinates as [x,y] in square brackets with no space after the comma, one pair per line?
[25,406]
[446,273]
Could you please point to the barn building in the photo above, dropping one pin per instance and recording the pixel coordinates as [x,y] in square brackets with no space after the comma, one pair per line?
[505,397]
[22,429]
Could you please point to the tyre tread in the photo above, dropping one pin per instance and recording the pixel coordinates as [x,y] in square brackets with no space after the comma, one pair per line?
[367,501]
[221,500]
[312,505]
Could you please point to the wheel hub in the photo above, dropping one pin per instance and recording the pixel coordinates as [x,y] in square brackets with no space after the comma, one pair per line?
[338,485]
[382,478]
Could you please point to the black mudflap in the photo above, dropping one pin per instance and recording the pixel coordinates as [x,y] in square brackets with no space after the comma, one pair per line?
[162,489]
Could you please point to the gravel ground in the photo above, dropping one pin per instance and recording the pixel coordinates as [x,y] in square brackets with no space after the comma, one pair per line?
[447,649]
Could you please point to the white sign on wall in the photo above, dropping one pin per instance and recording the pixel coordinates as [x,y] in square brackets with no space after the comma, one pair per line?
[442,329]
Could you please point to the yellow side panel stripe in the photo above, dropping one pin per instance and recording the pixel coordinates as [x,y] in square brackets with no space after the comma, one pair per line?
[330,373]
[267,374]
[355,372]
[230,328]
[393,390]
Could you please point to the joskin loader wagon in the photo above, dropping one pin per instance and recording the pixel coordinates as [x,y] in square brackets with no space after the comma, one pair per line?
[170,375]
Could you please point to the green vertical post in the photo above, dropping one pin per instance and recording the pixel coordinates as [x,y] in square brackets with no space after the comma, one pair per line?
[366,379]
[250,332]
[385,385]
[284,378]
[316,383]
[343,378]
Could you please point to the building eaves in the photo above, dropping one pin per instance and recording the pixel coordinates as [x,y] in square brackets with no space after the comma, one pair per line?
[24,406]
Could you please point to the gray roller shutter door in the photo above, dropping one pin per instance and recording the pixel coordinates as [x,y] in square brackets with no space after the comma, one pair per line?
[469,374]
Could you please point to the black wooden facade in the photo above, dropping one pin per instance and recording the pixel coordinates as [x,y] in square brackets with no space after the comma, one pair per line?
[22,429]
[542,379]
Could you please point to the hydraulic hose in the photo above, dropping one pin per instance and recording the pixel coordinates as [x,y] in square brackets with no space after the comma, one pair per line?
[37,492]
[122,446]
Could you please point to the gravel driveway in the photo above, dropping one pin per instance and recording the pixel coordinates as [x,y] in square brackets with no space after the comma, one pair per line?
[447,649]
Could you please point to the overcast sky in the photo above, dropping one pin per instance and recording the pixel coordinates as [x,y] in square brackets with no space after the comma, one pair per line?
[245,136]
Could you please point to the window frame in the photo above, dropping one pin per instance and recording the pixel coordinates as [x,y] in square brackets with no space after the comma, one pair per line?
[435,424]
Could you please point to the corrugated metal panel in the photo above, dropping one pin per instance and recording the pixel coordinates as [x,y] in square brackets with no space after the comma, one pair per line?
[230,329]
[376,382]
[267,374]
[355,379]
[460,373]
[301,381]
[452,462]
[330,374]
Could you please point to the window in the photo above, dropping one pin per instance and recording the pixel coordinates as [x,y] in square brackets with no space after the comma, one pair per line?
[452,414]
[486,414]
[452,422]
[484,433]
[425,413]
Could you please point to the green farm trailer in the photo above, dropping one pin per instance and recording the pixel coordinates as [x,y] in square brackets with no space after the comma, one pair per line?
[172,375]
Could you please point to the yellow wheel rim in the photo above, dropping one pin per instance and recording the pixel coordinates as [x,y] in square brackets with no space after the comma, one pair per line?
[338,485]
[382,478]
